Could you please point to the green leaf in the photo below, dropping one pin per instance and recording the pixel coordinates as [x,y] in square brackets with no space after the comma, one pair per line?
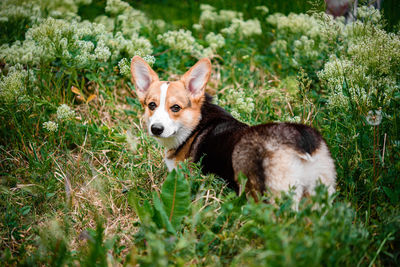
[160,216]
[144,211]
[134,102]
[25,210]
[175,195]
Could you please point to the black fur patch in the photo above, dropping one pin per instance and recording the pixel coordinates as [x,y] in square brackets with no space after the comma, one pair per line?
[217,134]
[298,136]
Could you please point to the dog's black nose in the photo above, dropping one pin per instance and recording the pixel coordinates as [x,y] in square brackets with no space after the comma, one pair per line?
[157,129]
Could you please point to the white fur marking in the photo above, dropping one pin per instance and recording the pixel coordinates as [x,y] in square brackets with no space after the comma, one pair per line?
[169,162]
[306,156]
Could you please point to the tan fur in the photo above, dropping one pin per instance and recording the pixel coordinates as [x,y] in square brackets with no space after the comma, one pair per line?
[191,107]
[183,154]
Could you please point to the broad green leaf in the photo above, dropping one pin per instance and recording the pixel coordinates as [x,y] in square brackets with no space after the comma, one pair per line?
[160,216]
[144,212]
[175,195]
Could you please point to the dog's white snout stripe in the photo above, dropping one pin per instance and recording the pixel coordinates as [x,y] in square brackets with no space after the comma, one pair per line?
[161,115]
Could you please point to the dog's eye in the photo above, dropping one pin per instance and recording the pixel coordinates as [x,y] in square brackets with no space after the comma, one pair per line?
[152,106]
[175,108]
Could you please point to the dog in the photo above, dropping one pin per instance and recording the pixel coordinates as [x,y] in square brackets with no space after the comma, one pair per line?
[274,157]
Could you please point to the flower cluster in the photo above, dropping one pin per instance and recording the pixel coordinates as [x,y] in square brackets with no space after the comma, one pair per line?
[75,43]
[210,17]
[304,50]
[263,9]
[184,41]
[79,43]
[64,112]
[27,11]
[231,20]
[303,40]
[368,14]
[116,7]
[13,85]
[365,72]
[238,101]
[215,41]
[128,19]
[125,68]
[50,126]
[243,28]
[297,24]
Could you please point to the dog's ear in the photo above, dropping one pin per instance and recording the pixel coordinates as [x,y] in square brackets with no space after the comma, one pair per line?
[196,78]
[142,76]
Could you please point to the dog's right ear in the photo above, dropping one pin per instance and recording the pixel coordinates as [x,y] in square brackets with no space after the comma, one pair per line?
[142,76]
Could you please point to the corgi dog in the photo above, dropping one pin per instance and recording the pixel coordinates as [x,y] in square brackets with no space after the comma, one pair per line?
[274,157]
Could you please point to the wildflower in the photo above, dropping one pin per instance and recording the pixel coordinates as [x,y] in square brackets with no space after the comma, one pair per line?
[210,17]
[243,28]
[13,85]
[263,9]
[181,41]
[124,67]
[197,26]
[150,59]
[374,117]
[102,52]
[116,7]
[215,40]
[241,104]
[64,112]
[50,126]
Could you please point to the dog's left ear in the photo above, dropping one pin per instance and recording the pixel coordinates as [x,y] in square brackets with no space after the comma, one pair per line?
[196,78]
[143,76]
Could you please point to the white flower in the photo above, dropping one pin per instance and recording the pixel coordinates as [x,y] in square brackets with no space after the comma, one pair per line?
[374,117]
[263,9]
[13,85]
[102,52]
[124,67]
[181,41]
[50,126]
[150,59]
[64,112]
[215,40]
[243,28]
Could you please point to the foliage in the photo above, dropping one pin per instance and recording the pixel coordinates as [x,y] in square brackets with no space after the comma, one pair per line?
[83,184]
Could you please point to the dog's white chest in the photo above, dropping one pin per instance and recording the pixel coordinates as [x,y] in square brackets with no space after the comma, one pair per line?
[169,162]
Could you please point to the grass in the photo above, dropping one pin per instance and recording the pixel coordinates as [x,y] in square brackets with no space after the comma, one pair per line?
[92,193]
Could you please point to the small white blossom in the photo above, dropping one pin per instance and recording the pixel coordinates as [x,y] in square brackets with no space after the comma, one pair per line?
[50,126]
[150,59]
[64,112]
[124,67]
[374,117]
[215,40]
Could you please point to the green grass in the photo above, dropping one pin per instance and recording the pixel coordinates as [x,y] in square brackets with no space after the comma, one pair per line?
[96,192]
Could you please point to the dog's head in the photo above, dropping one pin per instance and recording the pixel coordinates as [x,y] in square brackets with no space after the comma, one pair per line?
[172,109]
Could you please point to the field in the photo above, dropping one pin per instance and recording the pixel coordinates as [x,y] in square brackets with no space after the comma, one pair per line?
[83,185]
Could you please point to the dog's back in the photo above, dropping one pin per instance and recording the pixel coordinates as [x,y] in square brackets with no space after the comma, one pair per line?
[274,156]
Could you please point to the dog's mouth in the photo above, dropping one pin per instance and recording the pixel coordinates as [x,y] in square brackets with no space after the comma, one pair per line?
[163,137]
